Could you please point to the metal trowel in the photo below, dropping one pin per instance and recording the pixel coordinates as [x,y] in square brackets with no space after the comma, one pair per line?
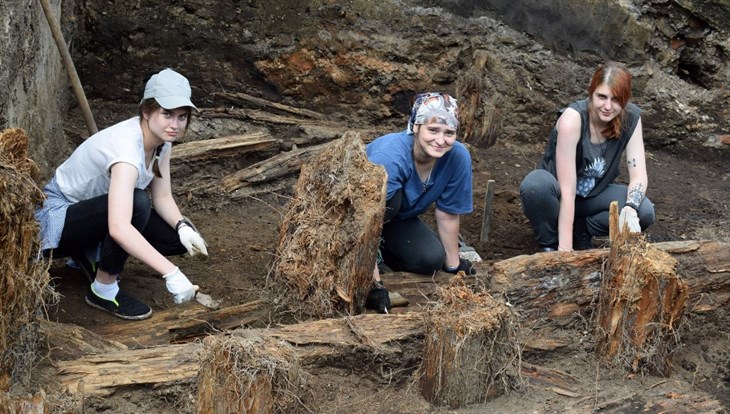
[467,252]
[207,300]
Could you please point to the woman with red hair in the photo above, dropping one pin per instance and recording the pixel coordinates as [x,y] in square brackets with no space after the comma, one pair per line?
[568,197]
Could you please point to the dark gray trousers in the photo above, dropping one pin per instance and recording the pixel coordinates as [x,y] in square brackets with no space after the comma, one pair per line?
[540,194]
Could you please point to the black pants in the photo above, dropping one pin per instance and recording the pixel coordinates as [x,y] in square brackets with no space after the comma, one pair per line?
[87,225]
[409,244]
[540,195]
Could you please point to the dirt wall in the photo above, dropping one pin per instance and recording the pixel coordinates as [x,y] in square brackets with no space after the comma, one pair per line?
[35,89]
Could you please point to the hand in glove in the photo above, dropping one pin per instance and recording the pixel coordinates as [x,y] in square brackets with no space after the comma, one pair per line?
[464,265]
[179,285]
[629,218]
[378,298]
[192,240]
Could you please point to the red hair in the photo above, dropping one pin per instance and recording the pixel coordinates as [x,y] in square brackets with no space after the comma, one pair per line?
[617,77]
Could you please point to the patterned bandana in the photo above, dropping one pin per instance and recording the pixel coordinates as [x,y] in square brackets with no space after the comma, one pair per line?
[435,107]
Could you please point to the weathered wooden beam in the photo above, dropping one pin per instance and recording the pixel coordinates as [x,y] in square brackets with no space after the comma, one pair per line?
[270,169]
[182,323]
[558,284]
[225,146]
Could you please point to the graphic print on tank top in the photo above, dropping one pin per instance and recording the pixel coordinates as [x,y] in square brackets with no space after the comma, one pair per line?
[592,172]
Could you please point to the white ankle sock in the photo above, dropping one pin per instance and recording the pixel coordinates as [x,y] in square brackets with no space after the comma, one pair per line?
[108,292]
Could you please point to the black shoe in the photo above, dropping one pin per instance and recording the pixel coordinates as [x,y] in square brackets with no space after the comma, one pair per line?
[124,305]
[87,264]
[582,239]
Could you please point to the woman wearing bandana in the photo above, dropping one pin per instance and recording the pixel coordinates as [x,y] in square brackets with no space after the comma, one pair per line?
[568,197]
[425,164]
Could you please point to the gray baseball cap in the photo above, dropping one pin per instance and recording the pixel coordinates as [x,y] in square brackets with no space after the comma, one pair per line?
[170,89]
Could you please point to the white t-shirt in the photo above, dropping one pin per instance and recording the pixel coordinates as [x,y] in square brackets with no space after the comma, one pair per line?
[87,172]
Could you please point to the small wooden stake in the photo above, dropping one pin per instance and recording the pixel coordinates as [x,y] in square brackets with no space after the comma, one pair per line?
[613,221]
[487,217]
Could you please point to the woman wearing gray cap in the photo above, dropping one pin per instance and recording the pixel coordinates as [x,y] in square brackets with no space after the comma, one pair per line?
[98,212]
[425,165]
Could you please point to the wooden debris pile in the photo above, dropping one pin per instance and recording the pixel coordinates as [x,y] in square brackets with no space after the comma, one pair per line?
[23,279]
[329,236]
[471,352]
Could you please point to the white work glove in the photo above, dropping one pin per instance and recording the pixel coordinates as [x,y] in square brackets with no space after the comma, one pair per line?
[193,241]
[629,218]
[180,287]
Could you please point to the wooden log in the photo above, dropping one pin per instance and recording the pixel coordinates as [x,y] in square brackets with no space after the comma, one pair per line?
[248,373]
[182,323]
[225,146]
[101,374]
[315,343]
[259,116]
[641,304]
[265,171]
[245,98]
[471,353]
[544,285]
[329,235]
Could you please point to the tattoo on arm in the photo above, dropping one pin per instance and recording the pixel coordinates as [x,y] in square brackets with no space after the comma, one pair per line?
[632,162]
[635,195]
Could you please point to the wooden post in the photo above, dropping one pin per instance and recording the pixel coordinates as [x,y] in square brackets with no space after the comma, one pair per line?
[329,236]
[248,373]
[470,353]
[487,216]
[69,65]
[641,303]
[613,223]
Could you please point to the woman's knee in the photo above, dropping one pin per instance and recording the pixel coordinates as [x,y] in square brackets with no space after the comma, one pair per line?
[537,184]
[428,262]
[647,215]
[141,208]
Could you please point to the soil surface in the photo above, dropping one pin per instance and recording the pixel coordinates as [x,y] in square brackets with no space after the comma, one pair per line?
[688,183]
[688,186]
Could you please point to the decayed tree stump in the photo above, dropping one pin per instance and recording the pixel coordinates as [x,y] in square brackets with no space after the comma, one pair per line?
[29,404]
[248,373]
[23,279]
[471,352]
[642,300]
[329,235]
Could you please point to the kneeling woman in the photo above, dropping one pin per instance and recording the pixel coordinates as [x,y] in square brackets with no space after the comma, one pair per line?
[568,197]
[96,205]
[425,164]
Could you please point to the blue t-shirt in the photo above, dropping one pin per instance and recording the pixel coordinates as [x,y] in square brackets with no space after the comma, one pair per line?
[449,184]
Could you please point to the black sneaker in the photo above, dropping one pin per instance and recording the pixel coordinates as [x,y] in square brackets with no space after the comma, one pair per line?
[582,239]
[87,264]
[124,305]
